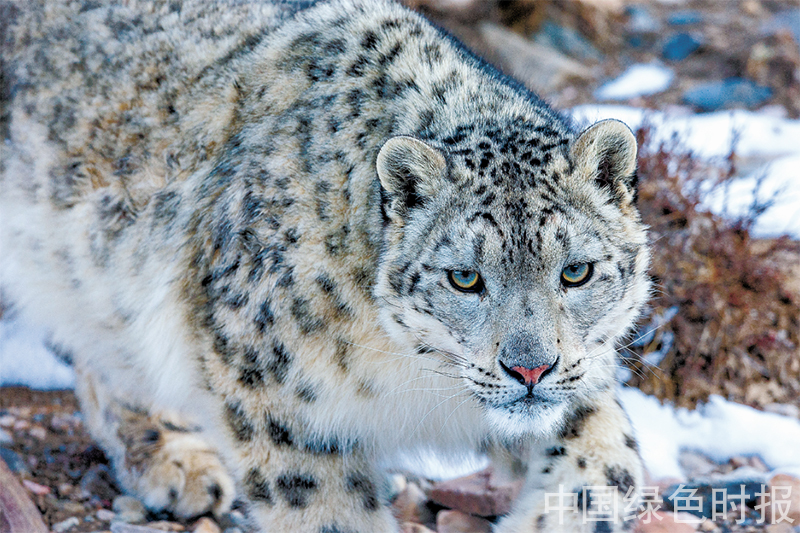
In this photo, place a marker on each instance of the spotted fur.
(247, 212)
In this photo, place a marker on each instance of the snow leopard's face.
(519, 271)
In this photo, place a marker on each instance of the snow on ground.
(719, 429)
(638, 80)
(773, 142)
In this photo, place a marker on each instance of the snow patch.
(719, 429)
(638, 80)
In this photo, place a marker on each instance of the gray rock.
(540, 67)
(733, 92)
(567, 41)
(685, 17)
(105, 515)
(675, 495)
(15, 463)
(695, 464)
(680, 46)
(121, 527)
(64, 525)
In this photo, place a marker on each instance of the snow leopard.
(284, 242)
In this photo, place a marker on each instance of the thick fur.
(245, 213)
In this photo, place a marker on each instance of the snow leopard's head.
(515, 255)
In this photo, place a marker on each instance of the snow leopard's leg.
(296, 482)
(591, 462)
(158, 457)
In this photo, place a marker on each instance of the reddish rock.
(17, 511)
(410, 505)
(410, 527)
(458, 522)
(35, 488)
(786, 489)
(477, 494)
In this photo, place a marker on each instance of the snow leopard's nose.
(525, 360)
(528, 376)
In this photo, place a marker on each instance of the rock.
(122, 527)
(17, 512)
(206, 525)
(458, 522)
(732, 92)
(5, 437)
(540, 67)
(62, 423)
(71, 507)
(411, 505)
(7, 421)
(38, 432)
(752, 464)
(667, 523)
(14, 461)
(786, 491)
(21, 425)
(64, 525)
(680, 46)
(163, 525)
(567, 41)
(35, 488)
(129, 510)
(476, 494)
(685, 17)
(676, 496)
(410, 527)
(105, 515)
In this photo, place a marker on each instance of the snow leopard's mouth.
(529, 414)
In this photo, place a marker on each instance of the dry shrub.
(735, 326)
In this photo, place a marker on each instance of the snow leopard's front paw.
(173, 469)
(585, 480)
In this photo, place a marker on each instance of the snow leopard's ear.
(409, 171)
(606, 154)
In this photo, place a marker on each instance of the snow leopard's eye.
(576, 275)
(465, 280)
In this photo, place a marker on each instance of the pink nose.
(530, 375)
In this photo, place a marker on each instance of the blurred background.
(711, 378)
